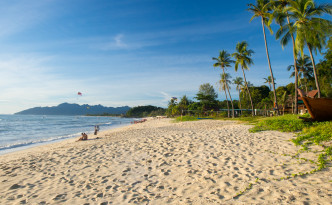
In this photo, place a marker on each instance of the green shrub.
(318, 133)
(186, 118)
(285, 123)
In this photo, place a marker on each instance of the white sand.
(158, 162)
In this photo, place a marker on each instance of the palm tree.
(238, 81)
(310, 30)
(223, 82)
(268, 80)
(305, 70)
(242, 57)
(280, 14)
(283, 101)
(224, 61)
(262, 9)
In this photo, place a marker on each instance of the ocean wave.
(36, 142)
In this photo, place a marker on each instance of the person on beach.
(83, 137)
(96, 129)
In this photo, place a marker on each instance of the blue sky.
(128, 52)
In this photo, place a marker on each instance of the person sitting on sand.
(83, 137)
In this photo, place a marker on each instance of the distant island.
(75, 109)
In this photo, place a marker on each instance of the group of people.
(84, 136)
(139, 121)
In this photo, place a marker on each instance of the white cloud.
(119, 41)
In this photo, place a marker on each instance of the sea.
(19, 132)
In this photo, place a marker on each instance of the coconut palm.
(268, 80)
(224, 61)
(238, 81)
(242, 57)
(305, 70)
(262, 9)
(223, 82)
(311, 31)
(283, 101)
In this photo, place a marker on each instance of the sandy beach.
(161, 162)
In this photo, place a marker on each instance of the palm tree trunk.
(223, 70)
(283, 110)
(268, 59)
(231, 100)
(245, 81)
(227, 104)
(296, 71)
(240, 102)
(314, 68)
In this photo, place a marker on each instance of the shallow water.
(22, 131)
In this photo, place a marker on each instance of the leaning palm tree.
(262, 9)
(242, 57)
(224, 61)
(311, 31)
(280, 13)
(238, 81)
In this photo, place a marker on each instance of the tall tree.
(207, 96)
(242, 57)
(224, 60)
(238, 81)
(280, 13)
(223, 86)
(262, 9)
(311, 31)
(183, 104)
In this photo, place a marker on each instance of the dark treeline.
(145, 111)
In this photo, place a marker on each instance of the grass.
(285, 123)
(318, 134)
(185, 118)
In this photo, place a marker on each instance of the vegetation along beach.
(166, 102)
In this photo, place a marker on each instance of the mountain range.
(74, 109)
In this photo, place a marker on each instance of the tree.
(268, 80)
(238, 81)
(324, 71)
(242, 57)
(207, 96)
(184, 103)
(311, 31)
(262, 9)
(171, 105)
(283, 101)
(304, 70)
(224, 61)
(224, 82)
(280, 14)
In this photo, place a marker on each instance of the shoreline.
(35, 147)
(48, 138)
(160, 162)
